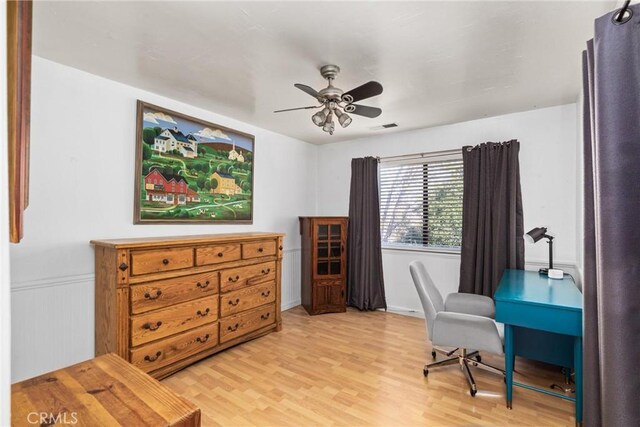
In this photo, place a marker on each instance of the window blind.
(421, 202)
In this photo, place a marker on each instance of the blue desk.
(542, 321)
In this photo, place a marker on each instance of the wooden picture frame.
(19, 24)
(190, 171)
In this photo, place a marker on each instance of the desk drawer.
(241, 324)
(550, 319)
(237, 278)
(258, 249)
(164, 352)
(158, 324)
(247, 298)
(159, 260)
(162, 293)
(218, 254)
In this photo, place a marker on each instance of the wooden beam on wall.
(19, 24)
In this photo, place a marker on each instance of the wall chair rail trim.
(48, 282)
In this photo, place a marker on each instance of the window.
(421, 202)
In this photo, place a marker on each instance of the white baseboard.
(287, 305)
(406, 311)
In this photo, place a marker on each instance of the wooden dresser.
(164, 303)
(324, 263)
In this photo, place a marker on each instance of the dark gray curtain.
(611, 282)
(492, 221)
(365, 282)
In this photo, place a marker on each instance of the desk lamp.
(535, 235)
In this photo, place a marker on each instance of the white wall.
(548, 175)
(580, 187)
(82, 174)
(5, 306)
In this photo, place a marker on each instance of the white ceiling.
(439, 62)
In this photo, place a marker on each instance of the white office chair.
(462, 321)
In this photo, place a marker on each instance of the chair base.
(463, 358)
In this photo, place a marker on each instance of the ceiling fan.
(338, 103)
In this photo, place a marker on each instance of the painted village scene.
(194, 171)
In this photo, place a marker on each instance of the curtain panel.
(492, 218)
(611, 275)
(365, 280)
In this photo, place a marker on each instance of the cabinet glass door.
(329, 249)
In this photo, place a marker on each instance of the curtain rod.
(419, 155)
(618, 17)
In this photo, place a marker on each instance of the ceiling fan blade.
(363, 110)
(299, 108)
(311, 91)
(365, 91)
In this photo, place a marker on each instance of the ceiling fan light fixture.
(343, 118)
(333, 100)
(320, 117)
(329, 126)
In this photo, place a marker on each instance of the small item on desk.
(554, 273)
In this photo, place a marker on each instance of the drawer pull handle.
(233, 328)
(147, 295)
(151, 326)
(231, 279)
(265, 316)
(260, 250)
(203, 313)
(201, 286)
(266, 294)
(220, 254)
(234, 303)
(267, 271)
(203, 340)
(153, 358)
(280, 247)
(165, 261)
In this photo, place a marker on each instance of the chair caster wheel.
(425, 372)
(473, 392)
(433, 354)
(479, 358)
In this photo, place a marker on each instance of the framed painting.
(191, 171)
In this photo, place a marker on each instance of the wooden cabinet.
(165, 303)
(324, 264)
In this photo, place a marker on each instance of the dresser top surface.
(95, 390)
(176, 240)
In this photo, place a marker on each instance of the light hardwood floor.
(357, 369)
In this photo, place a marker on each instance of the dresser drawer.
(217, 254)
(247, 298)
(240, 324)
(164, 352)
(158, 260)
(162, 323)
(258, 249)
(162, 293)
(240, 277)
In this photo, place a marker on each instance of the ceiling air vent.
(387, 126)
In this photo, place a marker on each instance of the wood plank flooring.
(358, 369)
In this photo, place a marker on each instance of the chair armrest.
(470, 304)
(466, 331)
